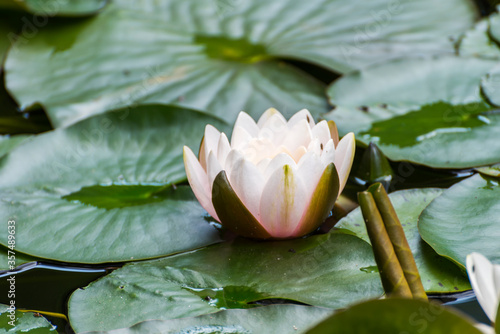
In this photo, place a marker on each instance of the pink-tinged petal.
(209, 143)
(258, 149)
(481, 277)
(283, 202)
(322, 132)
(201, 154)
(246, 122)
(274, 128)
(262, 165)
(198, 180)
(240, 137)
(334, 133)
(303, 114)
(315, 147)
(232, 212)
(265, 116)
(344, 156)
(309, 169)
(247, 182)
(232, 157)
(299, 135)
(299, 153)
(320, 203)
(223, 149)
(328, 154)
(213, 168)
(277, 163)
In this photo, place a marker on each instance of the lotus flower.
(276, 179)
(485, 280)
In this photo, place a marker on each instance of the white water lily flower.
(485, 280)
(276, 179)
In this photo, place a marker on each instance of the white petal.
(276, 163)
(282, 202)
(240, 137)
(265, 116)
(328, 154)
(258, 149)
(232, 157)
(322, 132)
(262, 165)
(198, 180)
(299, 153)
(213, 168)
(480, 272)
(310, 169)
(223, 149)
(274, 128)
(210, 143)
(246, 122)
(315, 147)
(299, 135)
(248, 183)
(300, 115)
(344, 156)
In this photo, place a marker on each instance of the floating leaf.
(101, 190)
(427, 111)
(282, 319)
(464, 219)
(48, 8)
(323, 270)
(477, 41)
(437, 273)
(26, 322)
(217, 56)
(396, 316)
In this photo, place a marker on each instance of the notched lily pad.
(103, 190)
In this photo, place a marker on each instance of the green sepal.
(390, 270)
(232, 213)
(398, 240)
(322, 201)
(375, 167)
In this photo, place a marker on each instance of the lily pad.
(493, 171)
(218, 57)
(324, 270)
(8, 143)
(282, 319)
(26, 322)
(438, 274)
(44, 8)
(427, 111)
(477, 41)
(19, 258)
(102, 189)
(407, 316)
(464, 219)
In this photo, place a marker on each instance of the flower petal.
(223, 149)
(246, 122)
(309, 169)
(198, 180)
(320, 203)
(344, 156)
(283, 202)
(274, 128)
(322, 132)
(481, 277)
(299, 135)
(334, 133)
(300, 115)
(240, 137)
(276, 163)
(209, 143)
(232, 157)
(328, 154)
(265, 116)
(213, 168)
(232, 212)
(247, 182)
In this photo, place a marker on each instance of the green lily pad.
(464, 219)
(427, 111)
(282, 319)
(48, 8)
(493, 171)
(324, 270)
(477, 42)
(8, 143)
(208, 56)
(102, 189)
(407, 316)
(18, 259)
(437, 273)
(25, 322)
